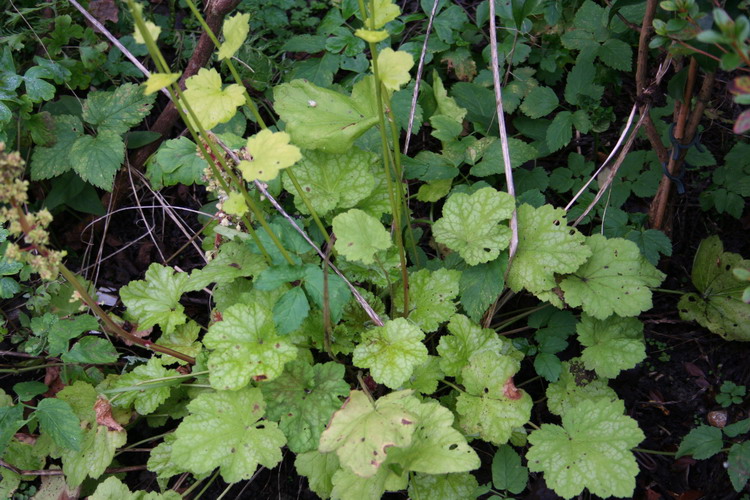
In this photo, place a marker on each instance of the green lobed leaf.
(91, 350)
(211, 104)
(112, 488)
(576, 384)
(319, 469)
(97, 159)
(66, 329)
(183, 339)
(176, 162)
(480, 285)
(117, 111)
(48, 162)
(611, 345)
(443, 486)
(96, 454)
(269, 153)
(145, 397)
(156, 300)
(234, 260)
(393, 68)
(446, 105)
(360, 236)
(507, 471)
(432, 297)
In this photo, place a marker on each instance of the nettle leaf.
(235, 32)
(546, 246)
(616, 54)
(443, 486)
(360, 236)
(491, 405)
(470, 224)
(560, 131)
(48, 162)
(97, 159)
(156, 300)
(393, 68)
(576, 384)
(271, 152)
(391, 352)
(210, 103)
(319, 118)
(56, 418)
(361, 432)
(332, 181)
(144, 396)
(718, 305)
(702, 442)
(590, 450)
(224, 429)
(319, 469)
(540, 102)
(119, 110)
(611, 345)
(96, 454)
(303, 399)
(615, 280)
(431, 297)
(245, 346)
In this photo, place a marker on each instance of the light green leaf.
(113, 488)
(81, 397)
(210, 103)
(546, 246)
(435, 190)
(56, 418)
(158, 81)
(65, 329)
(540, 102)
(361, 432)
(702, 442)
(270, 153)
(425, 377)
(360, 236)
(224, 430)
(152, 29)
(48, 162)
(560, 131)
(319, 469)
(384, 11)
(235, 32)
(235, 260)
(95, 455)
(160, 460)
(155, 300)
(371, 36)
(576, 384)
(347, 485)
(591, 450)
(183, 339)
(393, 68)
(611, 345)
(446, 105)
(391, 352)
(432, 297)
(470, 224)
(443, 486)
(319, 118)
(492, 406)
(144, 396)
(117, 111)
(97, 159)
(615, 280)
(303, 399)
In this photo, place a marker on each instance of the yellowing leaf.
(209, 102)
(384, 11)
(153, 31)
(394, 68)
(270, 152)
(371, 36)
(235, 32)
(235, 204)
(158, 81)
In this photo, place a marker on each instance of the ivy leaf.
(96, 454)
(235, 32)
(540, 102)
(155, 300)
(361, 432)
(615, 280)
(491, 406)
(145, 397)
(470, 224)
(158, 81)
(271, 152)
(224, 429)
(391, 352)
(576, 384)
(360, 236)
(303, 399)
(210, 103)
(591, 450)
(117, 111)
(443, 486)
(394, 68)
(480, 285)
(432, 295)
(245, 346)
(319, 469)
(546, 245)
(332, 181)
(319, 118)
(611, 345)
(97, 159)
(702, 442)
(48, 162)
(56, 418)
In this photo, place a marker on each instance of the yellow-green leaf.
(394, 68)
(372, 36)
(270, 152)
(153, 31)
(384, 11)
(235, 32)
(158, 81)
(210, 103)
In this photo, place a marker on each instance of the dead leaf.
(104, 10)
(104, 415)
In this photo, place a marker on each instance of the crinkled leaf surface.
(576, 384)
(48, 162)
(590, 450)
(303, 399)
(611, 345)
(224, 429)
(235, 32)
(57, 419)
(146, 398)
(113, 488)
(271, 152)
(96, 454)
(546, 246)
(393, 68)
(470, 224)
(446, 105)
(176, 162)
(361, 432)
(491, 406)
(245, 345)
(119, 110)
(391, 352)
(349, 486)
(234, 260)
(480, 285)
(319, 469)
(64, 330)
(360, 236)
(615, 280)
(91, 350)
(210, 103)
(97, 159)
(443, 486)
(155, 300)
(183, 339)
(432, 297)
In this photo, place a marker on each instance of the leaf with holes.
(271, 152)
(611, 345)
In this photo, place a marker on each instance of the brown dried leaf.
(104, 415)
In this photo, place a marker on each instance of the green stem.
(655, 452)
(30, 368)
(664, 290)
(307, 203)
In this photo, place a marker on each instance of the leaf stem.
(655, 452)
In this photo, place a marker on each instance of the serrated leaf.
(590, 450)
(97, 159)
(338, 292)
(615, 280)
(702, 442)
(158, 81)
(493, 161)
(210, 103)
(37, 89)
(145, 397)
(349, 486)
(546, 246)
(425, 377)
(391, 352)
(616, 54)
(431, 297)
(360, 236)
(11, 420)
(156, 300)
(507, 471)
(319, 469)
(245, 346)
(270, 152)
(361, 432)
(117, 111)
(651, 242)
(81, 397)
(235, 32)
(303, 399)
(290, 311)
(183, 339)
(581, 83)
(470, 224)
(48, 162)
(560, 131)
(540, 102)
(443, 486)
(91, 350)
(394, 68)
(114, 488)
(547, 365)
(96, 454)
(611, 345)
(56, 418)
(66, 329)
(738, 465)
(480, 285)
(224, 429)
(446, 105)
(576, 384)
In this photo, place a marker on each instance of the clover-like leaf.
(158, 81)
(361, 432)
(271, 152)
(360, 236)
(235, 32)
(224, 429)
(470, 224)
(615, 280)
(432, 297)
(144, 396)
(546, 245)
(210, 103)
(245, 345)
(156, 300)
(590, 450)
(576, 384)
(303, 399)
(393, 67)
(611, 345)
